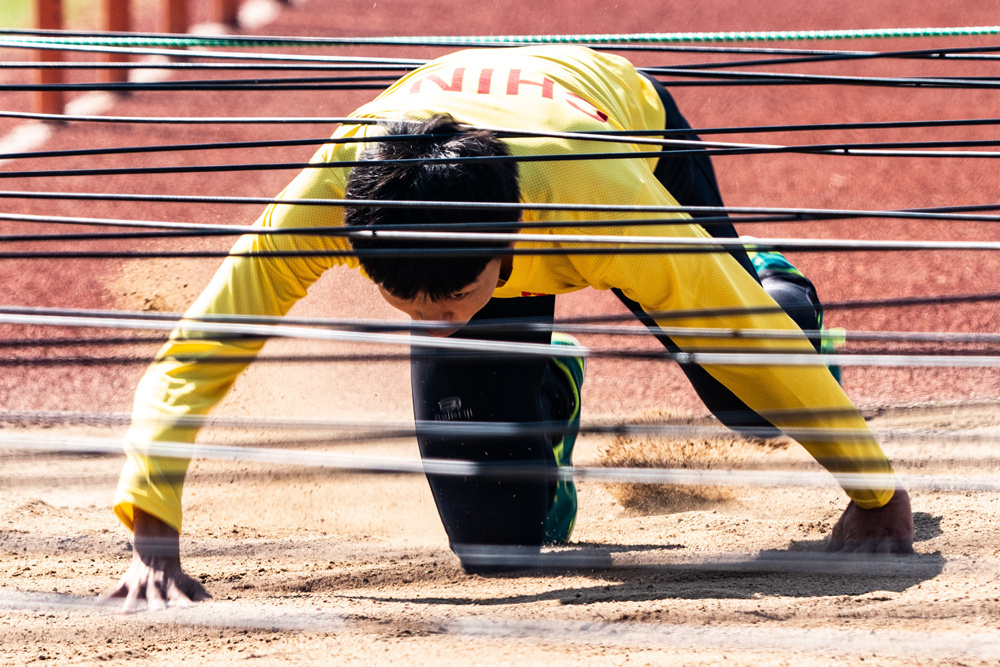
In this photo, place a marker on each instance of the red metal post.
(49, 16)
(117, 18)
(175, 16)
(227, 12)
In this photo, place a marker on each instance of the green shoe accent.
(832, 340)
(562, 513)
(771, 260)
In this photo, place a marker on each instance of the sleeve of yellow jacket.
(804, 398)
(191, 373)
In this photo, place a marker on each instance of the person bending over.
(455, 128)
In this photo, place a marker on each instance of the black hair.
(441, 136)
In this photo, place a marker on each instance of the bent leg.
(450, 386)
(799, 301)
(727, 407)
(691, 180)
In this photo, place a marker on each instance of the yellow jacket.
(552, 88)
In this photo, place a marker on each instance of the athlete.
(449, 132)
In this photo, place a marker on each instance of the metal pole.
(175, 16)
(227, 12)
(49, 16)
(117, 18)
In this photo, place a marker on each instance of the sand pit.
(317, 567)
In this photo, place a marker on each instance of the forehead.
(485, 281)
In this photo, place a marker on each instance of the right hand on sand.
(883, 530)
(161, 582)
(155, 574)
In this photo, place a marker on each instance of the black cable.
(271, 85)
(341, 231)
(610, 136)
(356, 83)
(869, 149)
(76, 65)
(668, 248)
(960, 53)
(787, 57)
(882, 125)
(961, 122)
(170, 148)
(943, 213)
(644, 137)
(879, 149)
(344, 231)
(192, 120)
(318, 84)
(770, 79)
(184, 230)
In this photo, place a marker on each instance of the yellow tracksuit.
(552, 88)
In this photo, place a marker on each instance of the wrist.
(152, 538)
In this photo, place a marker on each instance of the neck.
(506, 267)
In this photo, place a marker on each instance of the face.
(457, 308)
